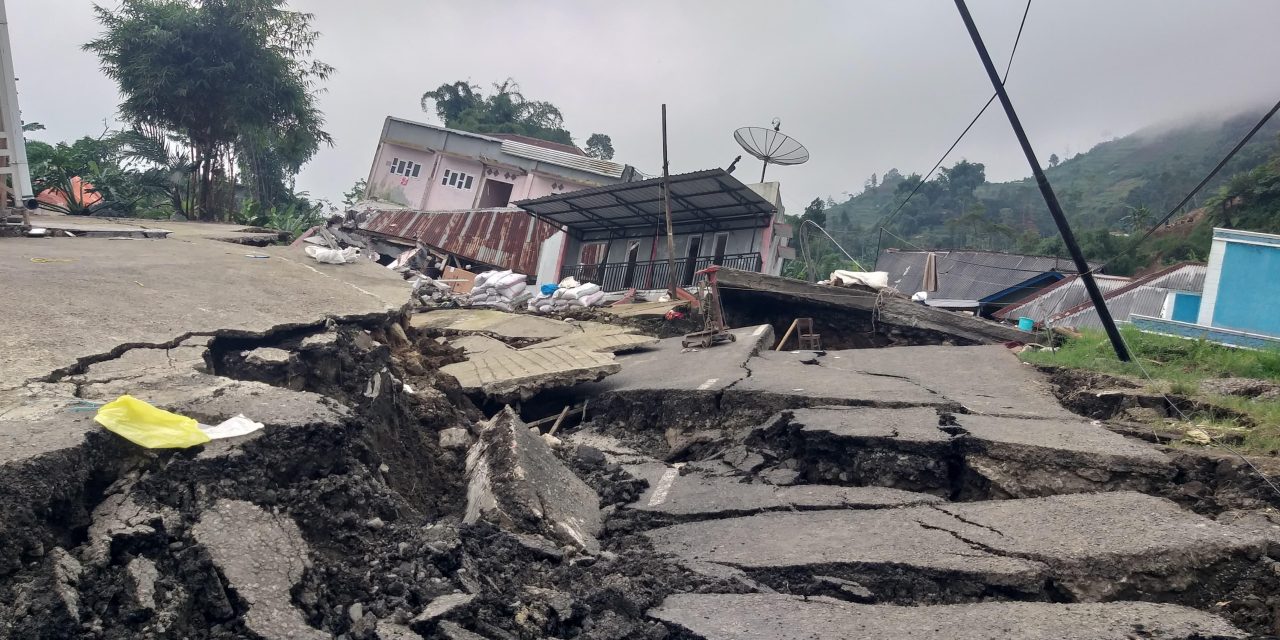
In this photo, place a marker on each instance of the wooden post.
(559, 420)
(666, 201)
(787, 334)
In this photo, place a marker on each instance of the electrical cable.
(1172, 212)
(981, 111)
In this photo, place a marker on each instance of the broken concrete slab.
(167, 300)
(885, 549)
(671, 367)
(783, 617)
(987, 379)
(600, 341)
(1021, 457)
(211, 399)
(262, 555)
(865, 446)
(967, 456)
(519, 375)
(1089, 547)
(473, 345)
(1105, 546)
(516, 482)
(676, 497)
(498, 324)
(441, 607)
(782, 374)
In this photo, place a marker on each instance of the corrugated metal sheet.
(507, 238)
(699, 199)
(1147, 301)
(967, 275)
(570, 160)
(1187, 277)
(1143, 296)
(1059, 297)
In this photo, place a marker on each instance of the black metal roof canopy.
(710, 200)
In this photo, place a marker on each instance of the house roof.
(1142, 296)
(523, 153)
(710, 200)
(538, 142)
(508, 238)
(1061, 295)
(971, 275)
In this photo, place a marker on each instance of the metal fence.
(652, 274)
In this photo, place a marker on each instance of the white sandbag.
(510, 279)
(333, 256)
(513, 290)
(569, 283)
(593, 299)
(873, 279)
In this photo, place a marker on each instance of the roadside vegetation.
(219, 113)
(1186, 369)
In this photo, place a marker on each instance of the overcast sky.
(866, 85)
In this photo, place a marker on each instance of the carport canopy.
(701, 201)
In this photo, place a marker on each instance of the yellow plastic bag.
(147, 426)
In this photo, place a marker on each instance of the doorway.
(721, 243)
(691, 259)
(629, 275)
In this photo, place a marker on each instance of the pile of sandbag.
(569, 294)
(500, 290)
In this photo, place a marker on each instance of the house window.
(456, 179)
(405, 167)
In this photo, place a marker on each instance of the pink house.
(430, 168)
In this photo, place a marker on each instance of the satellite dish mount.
(771, 146)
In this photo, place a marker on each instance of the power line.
(1172, 212)
(981, 111)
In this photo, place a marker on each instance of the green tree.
(816, 211)
(355, 193)
(460, 105)
(1053, 160)
(235, 80)
(600, 146)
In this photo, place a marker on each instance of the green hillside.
(1113, 189)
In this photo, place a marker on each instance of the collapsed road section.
(630, 489)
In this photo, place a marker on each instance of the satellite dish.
(771, 146)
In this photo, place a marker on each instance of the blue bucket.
(1026, 324)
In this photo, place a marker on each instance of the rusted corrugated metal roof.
(506, 238)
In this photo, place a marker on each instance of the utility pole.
(666, 202)
(1050, 199)
(11, 124)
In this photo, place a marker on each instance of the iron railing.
(652, 274)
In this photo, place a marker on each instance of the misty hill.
(1115, 187)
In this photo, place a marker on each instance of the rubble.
(729, 492)
(509, 376)
(516, 481)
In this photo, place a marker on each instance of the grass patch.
(1176, 366)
